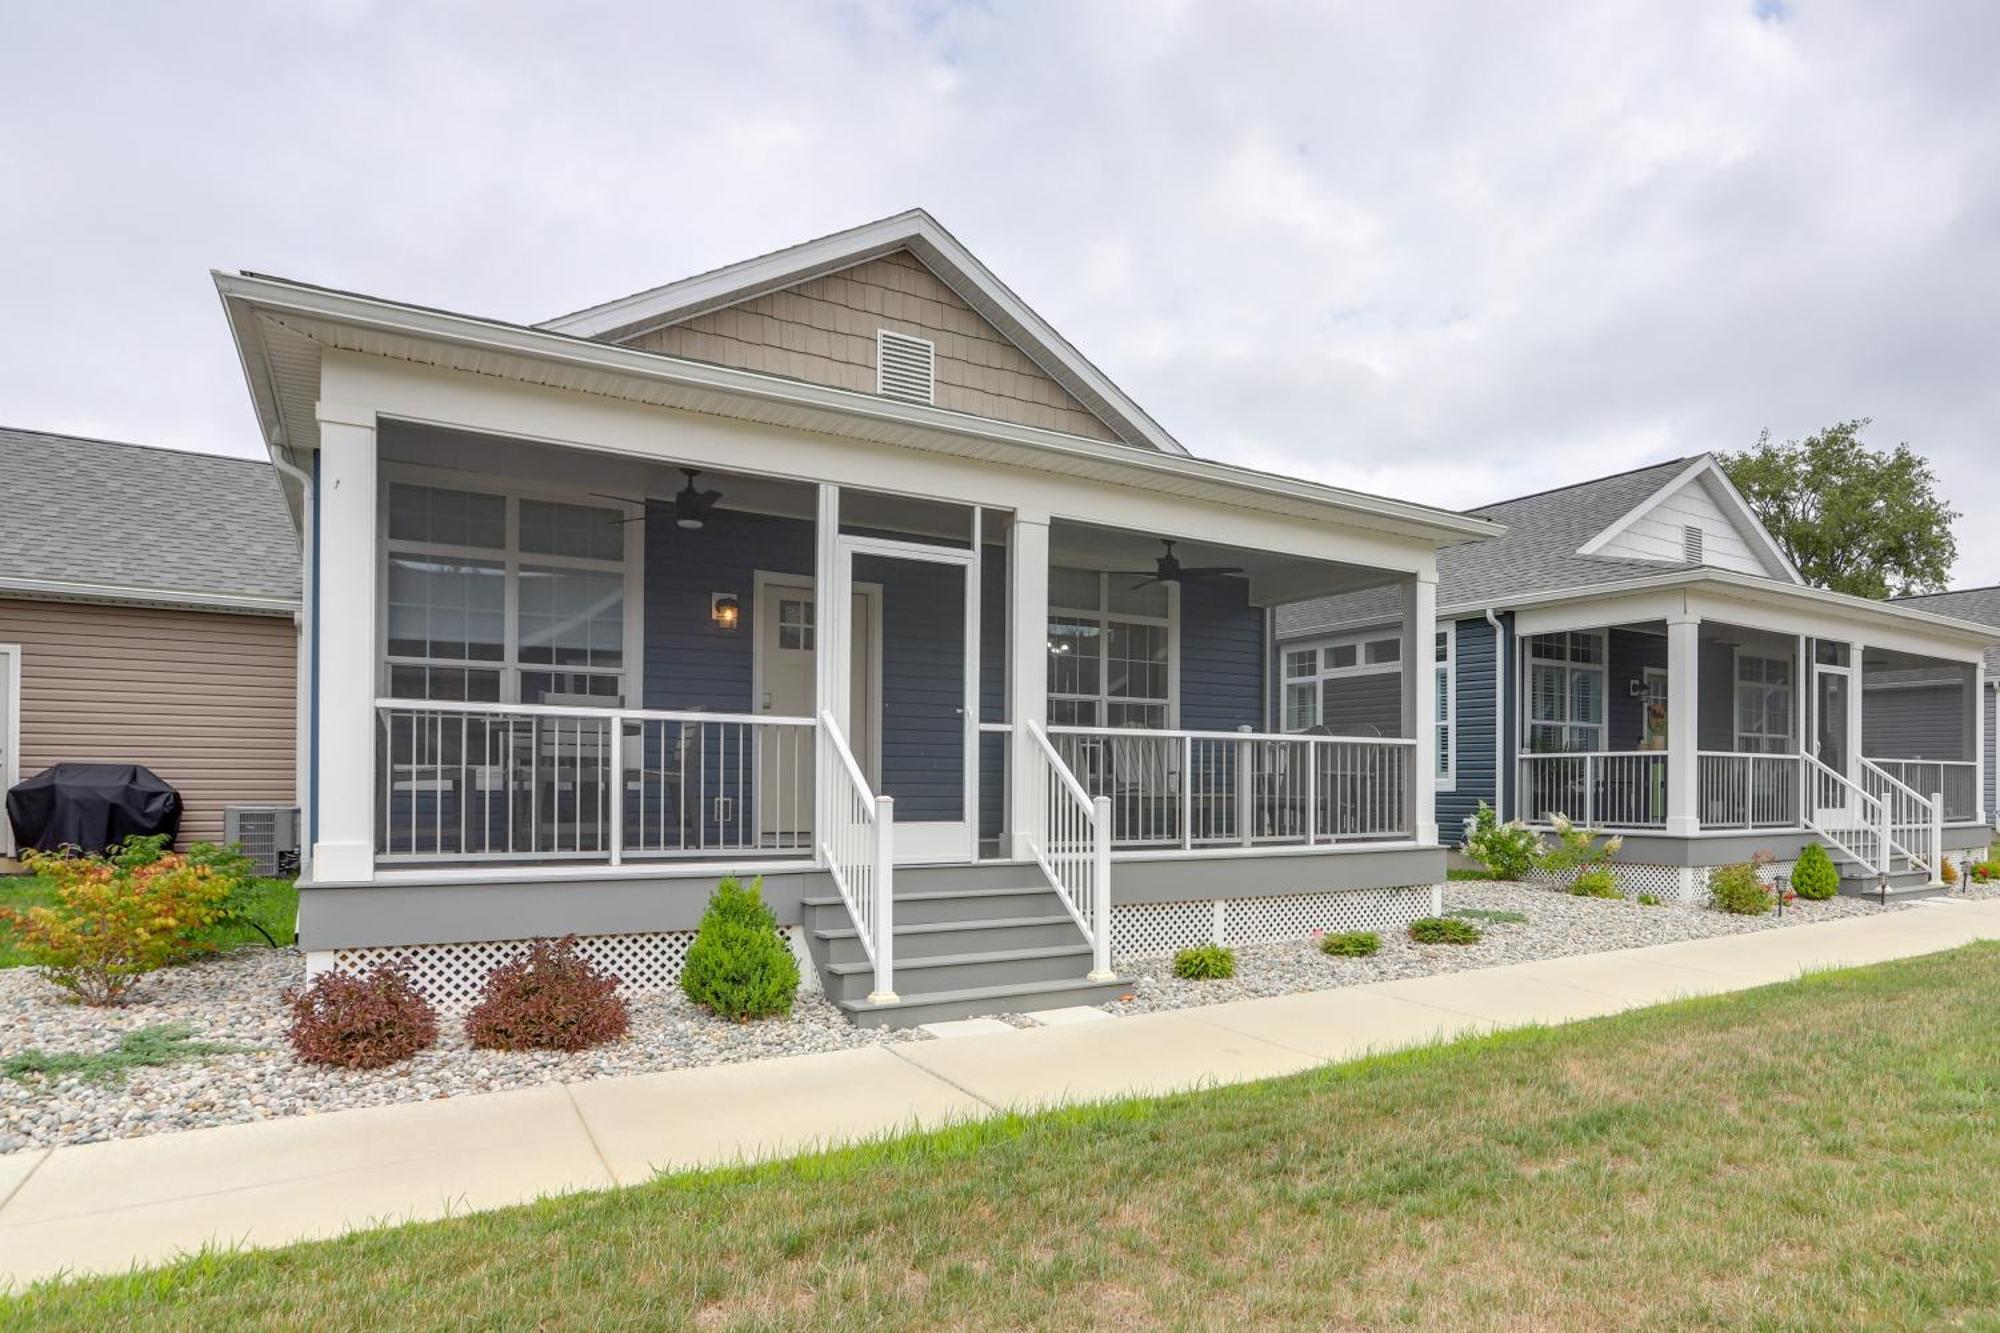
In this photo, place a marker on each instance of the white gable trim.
(938, 250)
(1747, 523)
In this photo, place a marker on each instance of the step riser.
(985, 875)
(941, 911)
(963, 976)
(948, 943)
(913, 1010)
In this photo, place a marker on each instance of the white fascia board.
(127, 595)
(1442, 526)
(1746, 587)
(917, 231)
(1747, 523)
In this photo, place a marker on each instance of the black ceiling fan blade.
(1146, 582)
(708, 498)
(1204, 571)
(621, 499)
(1133, 573)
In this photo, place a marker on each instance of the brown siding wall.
(823, 332)
(205, 701)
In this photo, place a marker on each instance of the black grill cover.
(92, 806)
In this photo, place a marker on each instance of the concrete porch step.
(936, 939)
(1903, 885)
(966, 971)
(1021, 998)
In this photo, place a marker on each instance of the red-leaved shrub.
(360, 1022)
(549, 999)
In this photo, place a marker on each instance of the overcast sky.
(1447, 252)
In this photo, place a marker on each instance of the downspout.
(305, 687)
(1502, 652)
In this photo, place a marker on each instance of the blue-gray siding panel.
(1476, 704)
(1628, 653)
(923, 685)
(1222, 656)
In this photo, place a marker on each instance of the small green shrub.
(1814, 876)
(1490, 916)
(1350, 943)
(1444, 930)
(1207, 962)
(1737, 890)
(1651, 900)
(1508, 851)
(739, 966)
(1595, 883)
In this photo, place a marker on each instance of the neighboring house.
(1638, 654)
(837, 567)
(1981, 606)
(148, 609)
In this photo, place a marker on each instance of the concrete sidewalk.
(107, 1206)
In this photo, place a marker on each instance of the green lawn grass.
(1822, 1154)
(276, 909)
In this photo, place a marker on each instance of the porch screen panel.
(1566, 712)
(923, 685)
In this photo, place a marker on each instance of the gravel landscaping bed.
(234, 999)
(1558, 925)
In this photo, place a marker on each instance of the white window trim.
(1446, 665)
(1322, 672)
(1103, 615)
(510, 667)
(1736, 682)
(1602, 669)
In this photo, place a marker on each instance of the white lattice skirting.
(1142, 929)
(1674, 884)
(452, 975)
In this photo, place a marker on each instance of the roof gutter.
(1439, 525)
(187, 599)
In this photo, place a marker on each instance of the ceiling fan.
(1167, 568)
(692, 507)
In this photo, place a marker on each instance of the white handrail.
(859, 855)
(1177, 733)
(571, 710)
(1072, 844)
(1915, 828)
(1864, 837)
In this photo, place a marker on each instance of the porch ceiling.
(1274, 576)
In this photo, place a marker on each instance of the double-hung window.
(503, 598)
(1566, 692)
(1110, 651)
(1763, 705)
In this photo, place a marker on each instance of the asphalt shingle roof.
(1979, 605)
(134, 516)
(1537, 553)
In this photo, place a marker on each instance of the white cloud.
(1451, 252)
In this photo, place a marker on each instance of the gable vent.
(1692, 541)
(905, 367)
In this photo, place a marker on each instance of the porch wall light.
(725, 610)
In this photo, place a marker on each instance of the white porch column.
(1683, 729)
(344, 846)
(1028, 678)
(1981, 742)
(830, 662)
(1857, 680)
(1420, 702)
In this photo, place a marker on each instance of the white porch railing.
(1844, 814)
(1748, 791)
(1598, 788)
(491, 782)
(1205, 789)
(1072, 844)
(1956, 781)
(1914, 822)
(859, 850)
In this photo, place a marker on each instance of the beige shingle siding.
(204, 700)
(823, 332)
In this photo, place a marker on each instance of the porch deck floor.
(107, 1206)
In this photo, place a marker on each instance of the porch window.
(1301, 688)
(1308, 669)
(503, 598)
(1566, 692)
(1446, 677)
(1110, 651)
(1764, 705)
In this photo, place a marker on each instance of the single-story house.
(838, 566)
(148, 608)
(1638, 654)
(1981, 606)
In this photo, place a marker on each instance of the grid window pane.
(1299, 706)
(538, 686)
(1340, 656)
(440, 606)
(1074, 648)
(586, 531)
(572, 617)
(1301, 663)
(455, 684)
(795, 624)
(447, 518)
(1136, 661)
(1383, 651)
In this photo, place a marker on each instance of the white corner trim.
(1747, 523)
(915, 230)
